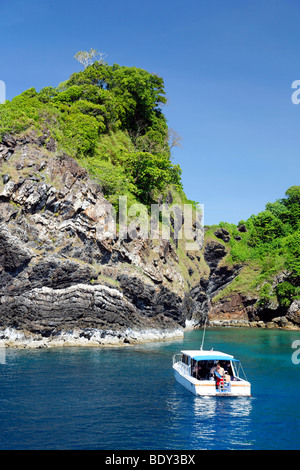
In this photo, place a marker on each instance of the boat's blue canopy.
(214, 358)
(209, 356)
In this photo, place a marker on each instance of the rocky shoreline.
(277, 323)
(11, 338)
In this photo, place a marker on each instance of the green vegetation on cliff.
(268, 245)
(110, 119)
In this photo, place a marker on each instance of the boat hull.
(239, 388)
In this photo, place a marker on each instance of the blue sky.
(228, 68)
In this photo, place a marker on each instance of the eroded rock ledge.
(90, 337)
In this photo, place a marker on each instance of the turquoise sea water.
(127, 398)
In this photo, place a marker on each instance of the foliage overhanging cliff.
(109, 118)
(67, 154)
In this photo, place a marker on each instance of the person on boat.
(217, 368)
(195, 369)
(220, 369)
(219, 375)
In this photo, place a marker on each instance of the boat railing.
(240, 373)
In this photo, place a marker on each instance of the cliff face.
(67, 278)
(62, 269)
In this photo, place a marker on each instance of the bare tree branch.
(88, 58)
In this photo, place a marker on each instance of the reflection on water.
(213, 422)
(227, 420)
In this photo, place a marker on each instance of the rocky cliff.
(63, 271)
(234, 291)
(67, 278)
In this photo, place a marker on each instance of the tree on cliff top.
(108, 117)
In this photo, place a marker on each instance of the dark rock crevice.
(219, 277)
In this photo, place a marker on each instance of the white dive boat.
(210, 373)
